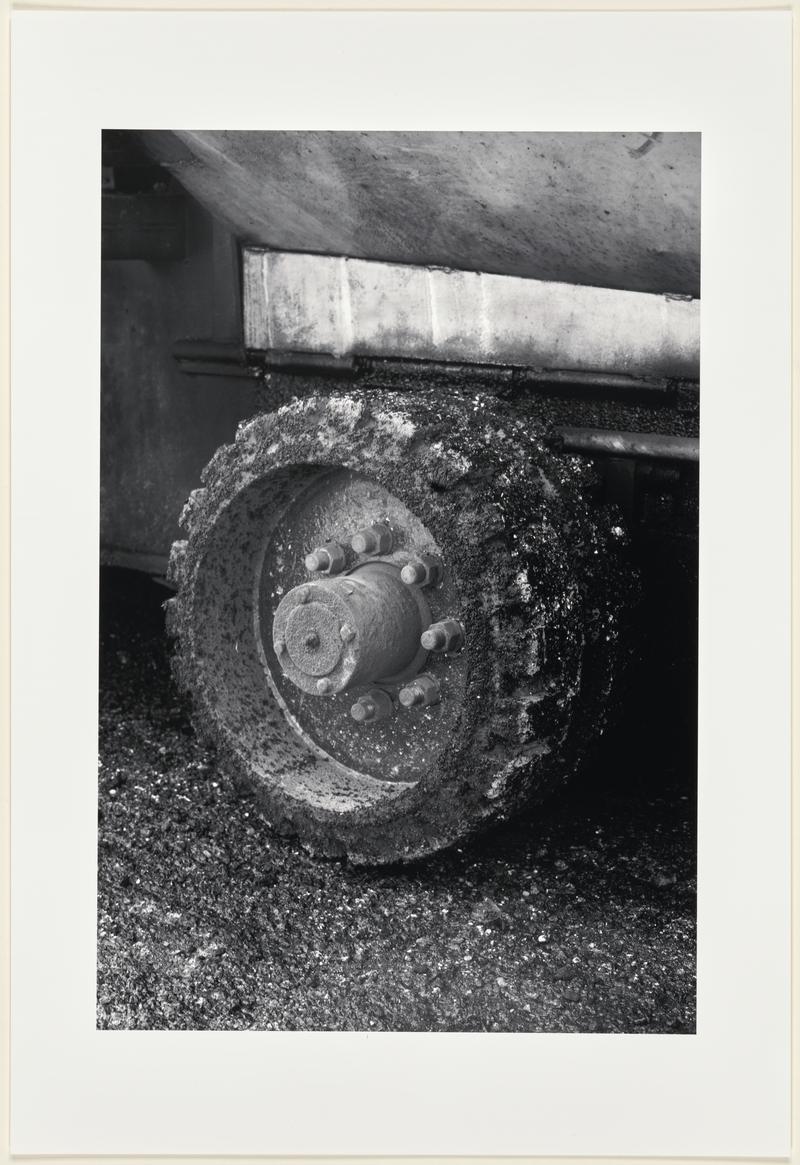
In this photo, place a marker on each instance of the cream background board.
(723, 1092)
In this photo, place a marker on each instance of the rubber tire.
(539, 576)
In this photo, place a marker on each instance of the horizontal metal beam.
(595, 383)
(212, 358)
(657, 446)
(355, 307)
(153, 564)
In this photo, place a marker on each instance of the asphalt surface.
(579, 918)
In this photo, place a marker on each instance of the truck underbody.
(433, 399)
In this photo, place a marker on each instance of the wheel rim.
(350, 714)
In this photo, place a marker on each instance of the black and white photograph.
(398, 589)
(401, 640)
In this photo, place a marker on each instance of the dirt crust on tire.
(541, 580)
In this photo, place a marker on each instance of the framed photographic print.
(401, 470)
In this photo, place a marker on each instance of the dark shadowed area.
(580, 917)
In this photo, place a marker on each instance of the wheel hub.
(312, 643)
(364, 627)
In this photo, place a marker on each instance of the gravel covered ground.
(580, 918)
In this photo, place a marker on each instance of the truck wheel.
(396, 617)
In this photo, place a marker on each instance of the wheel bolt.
(324, 686)
(424, 571)
(421, 692)
(327, 559)
(376, 705)
(445, 636)
(376, 539)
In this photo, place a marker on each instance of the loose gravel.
(579, 918)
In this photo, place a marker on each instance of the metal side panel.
(297, 302)
(160, 426)
(603, 209)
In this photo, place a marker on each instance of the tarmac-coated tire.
(530, 569)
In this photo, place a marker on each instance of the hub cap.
(360, 628)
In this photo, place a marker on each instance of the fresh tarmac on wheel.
(579, 917)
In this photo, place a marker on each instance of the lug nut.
(280, 646)
(445, 636)
(324, 686)
(376, 539)
(421, 692)
(376, 705)
(424, 571)
(346, 633)
(327, 559)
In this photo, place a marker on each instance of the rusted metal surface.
(422, 692)
(658, 446)
(376, 704)
(352, 307)
(424, 571)
(375, 539)
(327, 559)
(382, 618)
(591, 208)
(446, 635)
(371, 625)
